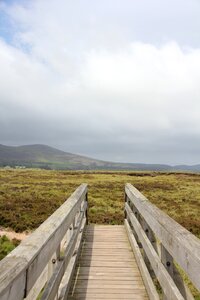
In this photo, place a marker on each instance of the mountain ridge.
(44, 156)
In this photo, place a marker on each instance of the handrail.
(41, 253)
(150, 225)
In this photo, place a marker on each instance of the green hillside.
(45, 157)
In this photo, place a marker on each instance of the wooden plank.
(102, 234)
(107, 296)
(112, 276)
(179, 242)
(106, 251)
(107, 283)
(95, 251)
(104, 227)
(105, 245)
(102, 263)
(109, 244)
(112, 290)
(103, 270)
(105, 257)
(101, 240)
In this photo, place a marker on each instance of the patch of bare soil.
(12, 234)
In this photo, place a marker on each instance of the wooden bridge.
(65, 258)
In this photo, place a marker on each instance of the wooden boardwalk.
(67, 259)
(107, 268)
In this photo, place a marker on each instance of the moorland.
(29, 196)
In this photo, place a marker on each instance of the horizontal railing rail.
(48, 254)
(163, 243)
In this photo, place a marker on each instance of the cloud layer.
(84, 79)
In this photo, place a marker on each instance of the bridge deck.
(107, 268)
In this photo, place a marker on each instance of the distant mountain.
(42, 156)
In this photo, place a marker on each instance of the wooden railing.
(159, 244)
(45, 261)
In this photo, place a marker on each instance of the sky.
(117, 80)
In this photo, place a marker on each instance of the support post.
(168, 262)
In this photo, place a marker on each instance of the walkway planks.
(107, 268)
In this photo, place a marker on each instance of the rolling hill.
(42, 156)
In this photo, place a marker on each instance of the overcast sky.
(116, 80)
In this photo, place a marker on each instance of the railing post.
(53, 262)
(168, 262)
(136, 213)
(86, 211)
(125, 201)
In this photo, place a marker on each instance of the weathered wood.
(162, 275)
(152, 239)
(181, 285)
(52, 264)
(58, 231)
(107, 296)
(38, 286)
(67, 278)
(151, 290)
(179, 242)
(168, 262)
(113, 258)
(53, 284)
(12, 277)
(100, 273)
(21, 268)
(108, 270)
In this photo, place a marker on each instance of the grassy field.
(28, 197)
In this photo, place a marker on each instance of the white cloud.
(136, 101)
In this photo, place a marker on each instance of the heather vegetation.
(28, 197)
(6, 246)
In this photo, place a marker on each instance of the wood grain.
(183, 246)
(20, 270)
(107, 268)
